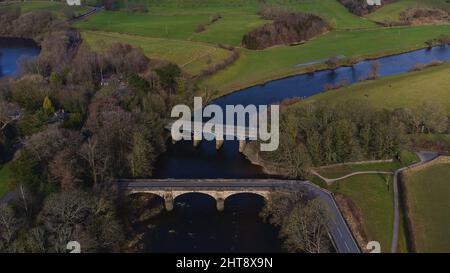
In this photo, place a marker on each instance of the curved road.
(425, 157)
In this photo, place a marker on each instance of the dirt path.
(330, 181)
(87, 14)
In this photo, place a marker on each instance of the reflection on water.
(183, 160)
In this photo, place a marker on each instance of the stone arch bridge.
(219, 189)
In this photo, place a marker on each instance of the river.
(182, 160)
(195, 225)
(12, 50)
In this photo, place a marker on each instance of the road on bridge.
(339, 230)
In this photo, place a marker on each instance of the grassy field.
(407, 158)
(405, 90)
(373, 197)
(230, 29)
(156, 26)
(428, 194)
(342, 170)
(171, 25)
(6, 179)
(55, 7)
(260, 66)
(173, 21)
(337, 15)
(353, 37)
(392, 11)
(331, 10)
(192, 57)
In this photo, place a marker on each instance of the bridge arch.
(218, 195)
(219, 189)
(147, 199)
(264, 194)
(146, 193)
(204, 195)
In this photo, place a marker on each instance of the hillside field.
(190, 56)
(353, 37)
(427, 194)
(392, 11)
(406, 90)
(372, 195)
(54, 7)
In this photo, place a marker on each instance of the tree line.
(316, 134)
(72, 121)
(287, 28)
(32, 25)
(213, 68)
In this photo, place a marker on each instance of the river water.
(199, 227)
(11, 51)
(195, 225)
(184, 161)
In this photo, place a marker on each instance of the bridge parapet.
(219, 132)
(220, 190)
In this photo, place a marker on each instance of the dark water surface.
(195, 225)
(11, 51)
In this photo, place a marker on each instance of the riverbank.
(8, 42)
(410, 90)
(261, 67)
(251, 153)
(321, 67)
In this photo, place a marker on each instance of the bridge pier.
(234, 131)
(196, 142)
(220, 204)
(219, 143)
(168, 201)
(242, 144)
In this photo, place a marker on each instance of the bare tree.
(97, 161)
(36, 240)
(62, 171)
(9, 113)
(9, 226)
(306, 228)
(63, 214)
(46, 143)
